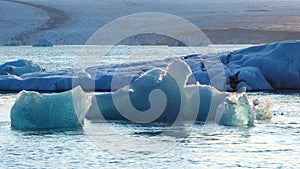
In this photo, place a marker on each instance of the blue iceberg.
(164, 96)
(274, 65)
(33, 110)
(236, 110)
(264, 67)
(159, 95)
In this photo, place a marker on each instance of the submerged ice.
(33, 110)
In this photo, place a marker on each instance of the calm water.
(273, 144)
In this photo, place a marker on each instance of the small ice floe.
(33, 110)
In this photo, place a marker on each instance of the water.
(63, 57)
(272, 144)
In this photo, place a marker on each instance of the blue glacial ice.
(164, 96)
(264, 67)
(236, 110)
(33, 110)
(275, 65)
(159, 95)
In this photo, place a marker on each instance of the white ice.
(20, 67)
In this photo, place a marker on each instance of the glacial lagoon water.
(269, 144)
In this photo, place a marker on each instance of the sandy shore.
(69, 22)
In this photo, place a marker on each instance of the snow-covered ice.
(33, 110)
(20, 67)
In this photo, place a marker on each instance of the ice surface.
(20, 67)
(155, 94)
(43, 43)
(279, 63)
(159, 95)
(33, 110)
(142, 101)
(263, 67)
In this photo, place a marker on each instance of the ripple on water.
(270, 144)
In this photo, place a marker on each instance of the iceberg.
(164, 96)
(278, 63)
(14, 43)
(236, 110)
(262, 109)
(20, 67)
(159, 95)
(265, 67)
(33, 110)
(43, 43)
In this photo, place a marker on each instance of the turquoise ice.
(33, 110)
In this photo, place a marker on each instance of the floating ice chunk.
(143, 102)
(262, 109)
(132, 103)
(235, 111)
(33, 110)
(43, 43)
(20, 67)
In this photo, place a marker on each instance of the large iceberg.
(275, 65)
(20, 67)
(265, 67)
(33, 110)
(43, 43)
(159, 95)
(164, 96)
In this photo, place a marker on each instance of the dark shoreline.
(249, 36)
(56, 19)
